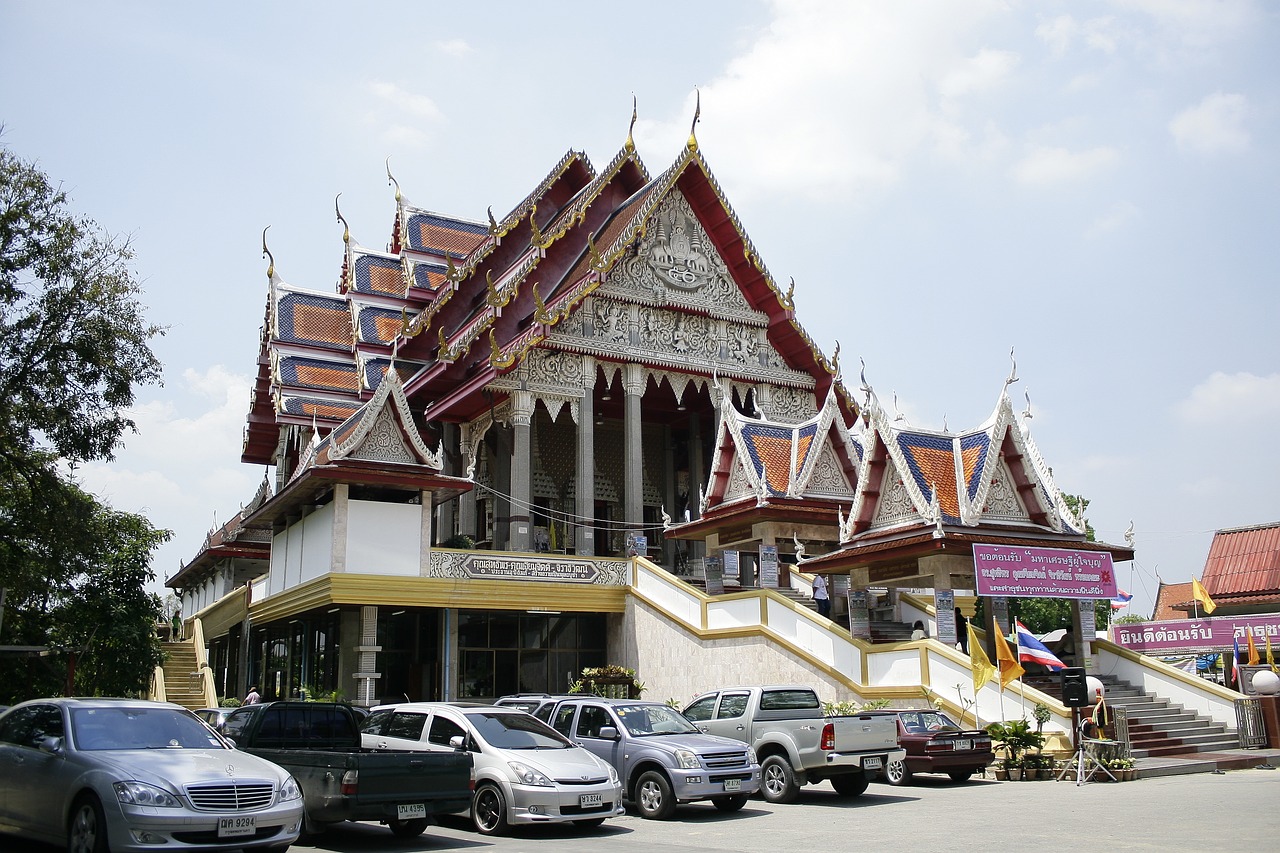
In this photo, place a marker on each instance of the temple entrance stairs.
(1165, 738)
(182, 681)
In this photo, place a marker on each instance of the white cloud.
(1046, 166)
(1213, 126)
(1058, 33)
(1243, 399)
(978, 73)
(454, 47)
(1197, 22)
(403, 100)
(1116, 218)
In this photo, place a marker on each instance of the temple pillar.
(668, 493)
(697, 466)
(633, 382)
(585, 476)
(341, 523)
(447, 511)
(520, 535)
(467, 500)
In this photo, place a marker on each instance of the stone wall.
(673, 663)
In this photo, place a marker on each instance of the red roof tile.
(1243, 561)
(1171, 595)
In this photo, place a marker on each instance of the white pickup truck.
(794, 742)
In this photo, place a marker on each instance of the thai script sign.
(714, 575)
(769, 566)
(859, 615)
(1021, 572)
(944, 606)
(1217, 633)
(449, 563)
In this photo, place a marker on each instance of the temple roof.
(1243, 566)
(230, 541)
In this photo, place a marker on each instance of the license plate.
(589, 800)
(872, 763)
(964, 744)
(733, 784)
(230, 827)
(411, 812)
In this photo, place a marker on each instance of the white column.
(633, 381)
(521, 535)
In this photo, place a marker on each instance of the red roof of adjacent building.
(1172, 602)
(1243, 564)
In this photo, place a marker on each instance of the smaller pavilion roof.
(231, 540)
(1243, 566)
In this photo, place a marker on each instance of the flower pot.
(1015, 774)
(1002, 775)
(1030, 774)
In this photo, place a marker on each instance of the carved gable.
(383, 442)
(1002, 502)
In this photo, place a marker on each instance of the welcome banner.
(1020, 572)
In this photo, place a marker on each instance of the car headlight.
(613, 774)
(527, 775)
(687, 759)
(142, 794)
(751, 755)
(290, 790)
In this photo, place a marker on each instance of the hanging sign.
(732, 568)
(944, 607)
(859, 615)
(715, 575)
(769, 566)
(1022, 572)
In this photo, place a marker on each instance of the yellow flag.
(1010, 669)
(1271, 662)
(1198, 592)
(1253, 649)
(983, 671)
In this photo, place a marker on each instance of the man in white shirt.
(820, 596)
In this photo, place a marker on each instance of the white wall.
(317, 552)
(383, 538)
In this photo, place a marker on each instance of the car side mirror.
(458, 742)
(51, 745)
(608, 733)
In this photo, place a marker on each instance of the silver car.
(524, 770)
(127, 775)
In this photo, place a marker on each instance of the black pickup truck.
(319, 743)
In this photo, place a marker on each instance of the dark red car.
(935, 744)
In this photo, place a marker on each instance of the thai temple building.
(593, 431)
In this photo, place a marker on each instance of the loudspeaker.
(1075, 692)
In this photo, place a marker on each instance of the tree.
(74, 344)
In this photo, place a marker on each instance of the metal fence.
(1250, 726)
(1120, 719)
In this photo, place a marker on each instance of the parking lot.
(1199, 812)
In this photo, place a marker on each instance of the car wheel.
(850, 784)
(778, 781)
(589, 823)
(87, 829)
(960, 775)
(407, 828)
(730, 804)
(896, 773)
(653, 796)
(489, 810)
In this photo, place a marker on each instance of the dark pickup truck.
(319, 743)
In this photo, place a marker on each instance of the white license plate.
(588, 800)
(230, 827)
(963, 744)
(872, 763)
(411, 812)
(733, 784)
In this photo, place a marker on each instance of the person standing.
(821, 597)
(252, 698)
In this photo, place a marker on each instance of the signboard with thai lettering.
(1216, 633)
(944, 608)
(715, 575)
(491, 566)
(732, 568)
(1021, 572)
(769, 566)
(859, 615)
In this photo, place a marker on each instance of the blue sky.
(1093, 184)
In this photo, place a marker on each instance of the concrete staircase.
(182, 683)
(1166, 739)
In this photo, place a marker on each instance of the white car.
(128, 775)
(524, 770)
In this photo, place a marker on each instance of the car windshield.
(644, 720)
(140, 728)
(927, 721)
(516, 731)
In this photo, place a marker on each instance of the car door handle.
(742, 728)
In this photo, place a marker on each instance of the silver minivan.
(524, 770)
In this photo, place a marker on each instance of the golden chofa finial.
(697, 114)
(346, 229)
(630, 145)
(391, 179)
(835, 361)
(266, 253)
(493, 223)
(450, 271)
(791, 294)
(535, 233)
(540, 313)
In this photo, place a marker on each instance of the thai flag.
(1235, 661)
(1121, 600)
(1031, 649)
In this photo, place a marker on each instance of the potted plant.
(1121, 768)
(1012, 768)
(1015, 737)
